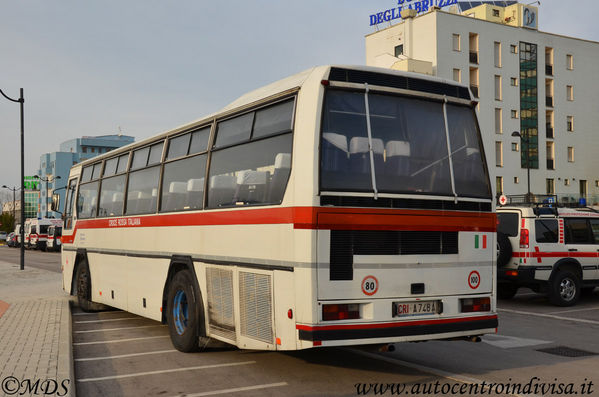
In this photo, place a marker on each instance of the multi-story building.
(57, 164)
(539, 85)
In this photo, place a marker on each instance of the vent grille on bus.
(348, 201)
(221, 316)
(347, 243)
(255, 305)
(403, 82)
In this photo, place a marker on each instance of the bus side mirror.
(55, 202)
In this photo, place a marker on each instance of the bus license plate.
(402, 309)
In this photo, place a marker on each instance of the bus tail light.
(524, 238)
(512, 273)
(471, 305)
(340, 312)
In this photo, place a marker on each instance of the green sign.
(31, 183)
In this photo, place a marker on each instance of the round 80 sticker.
(370, 285)
(474, 279)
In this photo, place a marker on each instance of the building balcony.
(549, 70)
(549, 131)
(473, 57)
(549, 101)
(550, 164)
(474, 89)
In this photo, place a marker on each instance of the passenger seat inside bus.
(177, 193)
(221, 190)
(398, 158)
(195, 193)
(359, 157)
(279, 177)
(335, 156)
(251, 186)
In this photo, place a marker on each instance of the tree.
(7, 222)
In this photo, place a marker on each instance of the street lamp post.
(13, 189)
(21, 101)
(523, 139)
(46, 180)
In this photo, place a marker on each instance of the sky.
(141, 67)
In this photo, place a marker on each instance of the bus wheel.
(565, 289)
(183, 314)
(84, 289)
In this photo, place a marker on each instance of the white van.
(548, 249)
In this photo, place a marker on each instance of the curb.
(65, 356)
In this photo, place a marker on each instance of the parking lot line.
(118, 340)
(108, 320)
(430, 370)
(166, 371)
(238, 389)
(117, 329)
(580, 320)
(576, 310)
(125, 355)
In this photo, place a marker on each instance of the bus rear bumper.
(401, 330)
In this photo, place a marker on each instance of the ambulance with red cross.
(547, 248)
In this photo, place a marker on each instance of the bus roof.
(295, 81)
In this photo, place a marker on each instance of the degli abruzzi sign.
(420, 6)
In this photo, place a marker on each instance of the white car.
(549, 249)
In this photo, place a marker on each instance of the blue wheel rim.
(180, 312)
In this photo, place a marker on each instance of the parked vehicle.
(11, 240)
(36, 232)
(549, 249)
(3, 236)
(54, 235)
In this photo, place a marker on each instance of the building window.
(570, 62)
(514, 113)
(474, 82)
(83, 149)
(473, 46)
(597, 183)
(514, 81)
(516, 180)
(456, 42)
(550, 186)
(570, 92)
(499, 184)
(399, 50)
(497, 88)
(515, 147)
(513, 48)
(498, 121)
(529, 106)
(570, 154)
(570, 123)
(566, 182)
(550, 155)
(498, 154)
(495, 12)
(93, 150)
(457, 75)
(497, 53)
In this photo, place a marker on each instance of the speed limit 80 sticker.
(370, 285)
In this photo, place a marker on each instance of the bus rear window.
(410, 151)
(508, 223)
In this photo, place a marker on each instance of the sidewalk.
(35, 333)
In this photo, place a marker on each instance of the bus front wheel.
(183, 312)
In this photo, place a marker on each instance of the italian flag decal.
(480, 241)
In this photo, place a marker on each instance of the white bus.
(339, 206)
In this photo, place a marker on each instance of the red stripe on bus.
(555, 254)
(307, 218)
(391, 325)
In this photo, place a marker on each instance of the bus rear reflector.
(524, 238)
(513, 273)
(471, 305)
(340, 312)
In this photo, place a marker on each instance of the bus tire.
(84, 289)
(564, 288)
(183, 312)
